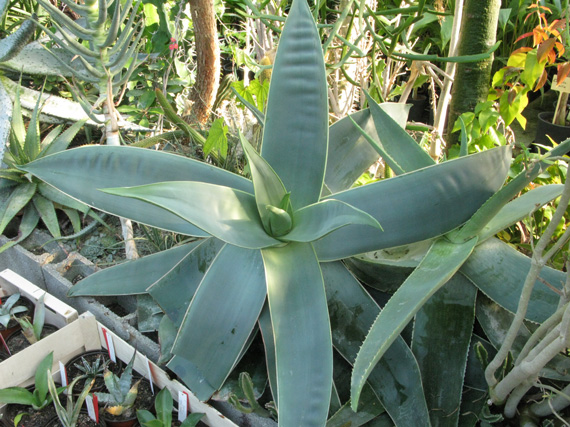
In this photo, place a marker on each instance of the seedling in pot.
(68, 416)
(40, 397)
(9, 309)
(92, 370)
(121, 397)
(33, 330)
(164, 406)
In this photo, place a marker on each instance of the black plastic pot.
(545, 128)
(418, 110)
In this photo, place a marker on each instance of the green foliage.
(40, 397)
(9, 309)
(33, 331)
(69, 415)
(122, 392)
(164, 406)
(275, 238)
(23, 192)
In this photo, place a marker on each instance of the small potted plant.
(69, 416)
(164, 407)
(120, 398)
(8, 311)
(32, 405)
(31, 330)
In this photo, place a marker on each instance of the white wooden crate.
(57, 312)
(86, 334)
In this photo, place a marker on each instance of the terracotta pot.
(546, 127)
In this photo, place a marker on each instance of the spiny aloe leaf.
(229, 214)
(440, 263)
(520, 208)
(219, 320)
(396, 379)
(5, 120)
(15, 42)
(295, 135)
(495, 203)
(29, 222)
(317, 220)
(18, 198)
(441, 337)
(418, 205)
(46, 209)
(303, 347)
(81, 172)
(499, 271)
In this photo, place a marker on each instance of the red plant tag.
(63, 374)
(183, 405)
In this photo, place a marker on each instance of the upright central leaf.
(295, 137)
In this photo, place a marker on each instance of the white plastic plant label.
(183, 405)
(110, 345)
(63, 374)
(563, 87)
(92, 407)
(150, 377)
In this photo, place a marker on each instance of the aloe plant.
(9, 309)
(122, 392)
(21, 192)
(278, 236)
(69, 414)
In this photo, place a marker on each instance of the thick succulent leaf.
(350, 154)
(29, 222)
(440, 263)
(295, 135)
(418, 205)
(19, 197)
(5, 120)
(269, 190)
(492, 206)
(133, 277)
(496, 321)
(398, 149)
(57, 196)
(15, 42)
(266, 329)
(81, 172)
(176, 288)
(442, 333)
(36, 60)
(62, 141)
(317, 220)
(230, 215)
(396, 379)
(303, 347)
(368, 409)
(46, 209)
(219, 321)
(499, 271)
(520, 208)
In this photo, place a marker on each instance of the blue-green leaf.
(499, 271)
(81, 172)
(317, 220)
(442, 333)
(219, 321)
(396, 379)
(132, 277)
(398, 149)
(295, 135)
(440, 263)
(303, 347)
(174, 291)
(418, 205)
(18, 198)
(230, 215)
